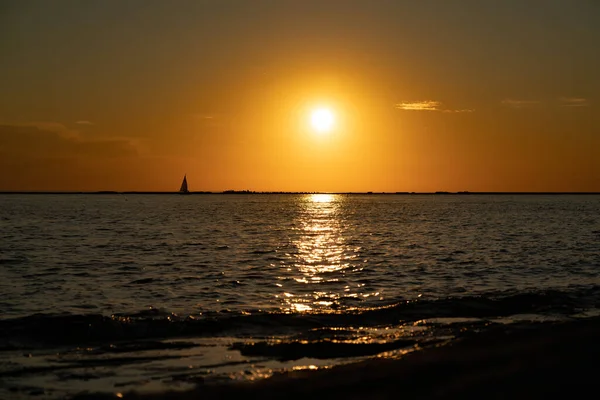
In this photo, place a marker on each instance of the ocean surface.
(117, 292)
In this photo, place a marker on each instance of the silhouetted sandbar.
(533, 361)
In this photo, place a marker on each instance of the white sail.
(184, 185)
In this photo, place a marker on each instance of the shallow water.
(79, 273)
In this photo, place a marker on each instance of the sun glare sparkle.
(322, 119)
(321, 198)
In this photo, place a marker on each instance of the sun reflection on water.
(321, 256)
(322, 198)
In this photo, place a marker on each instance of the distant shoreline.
(235, 192)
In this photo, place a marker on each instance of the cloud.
(562, 102)
(573, 102)
(206, 116)
(210, 120)
(47, 126)
(514, 103)
(464, 110)
(32, 140)
(429, 105)
(84, 122)
(42, 125)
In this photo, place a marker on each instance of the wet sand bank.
(520, 362)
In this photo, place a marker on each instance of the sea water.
(118, 292)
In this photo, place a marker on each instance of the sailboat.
(184, 186)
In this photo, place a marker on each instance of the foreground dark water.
(146, 292)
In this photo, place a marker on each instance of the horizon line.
(105, 192)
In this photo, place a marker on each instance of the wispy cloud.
(561, 102)
(43, 125)
(33, 139)
(429, 105)
(210, 120)
(47, 126)
(464, 110)
(205, 116)
(84, 122)
(515, 103)
(573, 102)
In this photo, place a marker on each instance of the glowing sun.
(322, 119)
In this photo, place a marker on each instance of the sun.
(322, 119)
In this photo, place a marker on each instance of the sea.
(114, 293)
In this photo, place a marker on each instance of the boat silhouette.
(184, 186)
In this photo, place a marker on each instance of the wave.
(46, 329)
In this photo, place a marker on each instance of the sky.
(429, 95)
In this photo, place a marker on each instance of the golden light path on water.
(322, 256)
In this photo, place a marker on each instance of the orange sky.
(427, 96)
